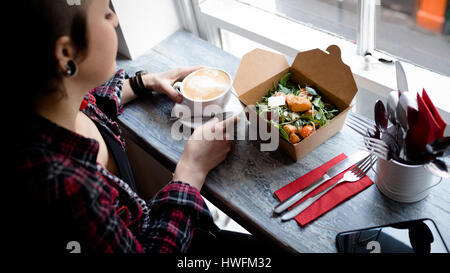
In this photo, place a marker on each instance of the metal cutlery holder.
(404, 183)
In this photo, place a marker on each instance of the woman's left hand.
(163, 82)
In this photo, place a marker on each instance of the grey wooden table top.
(243, 185)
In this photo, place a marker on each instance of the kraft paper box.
(324, 71)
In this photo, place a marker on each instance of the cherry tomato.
(306, 131)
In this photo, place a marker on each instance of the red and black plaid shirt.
(70, 197)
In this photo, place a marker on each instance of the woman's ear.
(64, 52)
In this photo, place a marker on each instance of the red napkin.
(331, 199)
(434, 111)
(428, 127)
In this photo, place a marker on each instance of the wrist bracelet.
(137, 84)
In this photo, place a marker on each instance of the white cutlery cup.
(404, 183)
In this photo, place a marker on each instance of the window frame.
(369, 73)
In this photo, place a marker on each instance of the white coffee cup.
(197, 106)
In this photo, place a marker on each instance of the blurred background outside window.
(417, 31)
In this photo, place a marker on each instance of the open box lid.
(327, 72)
(260, 68)
(256, 68)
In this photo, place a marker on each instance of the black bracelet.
(134, 86)
(137, 84)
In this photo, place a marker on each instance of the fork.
(354, 174)
(375, 146)
(366, 129)
(361, 126)
(378, 148)
(362, 129)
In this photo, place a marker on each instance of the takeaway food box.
(324, 71)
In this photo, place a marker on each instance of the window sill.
(276, 32)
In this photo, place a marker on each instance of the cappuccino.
(206, 84)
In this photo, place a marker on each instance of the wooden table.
(243, 185)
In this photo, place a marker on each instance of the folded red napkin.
(433, 110)
(429, 125)
(331, 199)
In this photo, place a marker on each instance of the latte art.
(206, 84)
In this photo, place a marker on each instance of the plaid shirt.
(77, 199)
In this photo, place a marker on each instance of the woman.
(74, 177)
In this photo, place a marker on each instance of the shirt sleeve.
(109, 94)
(175, 212)
(95, 217)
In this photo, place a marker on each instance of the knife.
(402, 87)
(402, 83)
(307, 203)
(335, 170)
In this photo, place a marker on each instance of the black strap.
(120, 157)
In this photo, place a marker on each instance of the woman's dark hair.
(46, 22)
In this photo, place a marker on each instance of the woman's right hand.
(205, 149)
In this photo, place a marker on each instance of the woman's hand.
(202, 153)
(163, 82)
(160, 82)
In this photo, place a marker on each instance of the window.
(389, 29)
(415, 31)
(339, 17)
(238, 45)
(403, 28)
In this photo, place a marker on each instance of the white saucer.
(233, 107)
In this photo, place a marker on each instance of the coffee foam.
(206, 84)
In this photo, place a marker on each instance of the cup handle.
(432, 186)
(394, 192)
(417, 193)
(177, 86)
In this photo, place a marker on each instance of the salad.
(301, 113)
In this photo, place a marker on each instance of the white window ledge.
(289, 37)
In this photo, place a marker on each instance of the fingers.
(186, 70)
(213, 129)
(206, 129)
(211, 122)
(171, 92)
(181, 72)
(177, 74)
(227, 123)
(231, 121)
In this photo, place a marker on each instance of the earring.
(71, 70)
